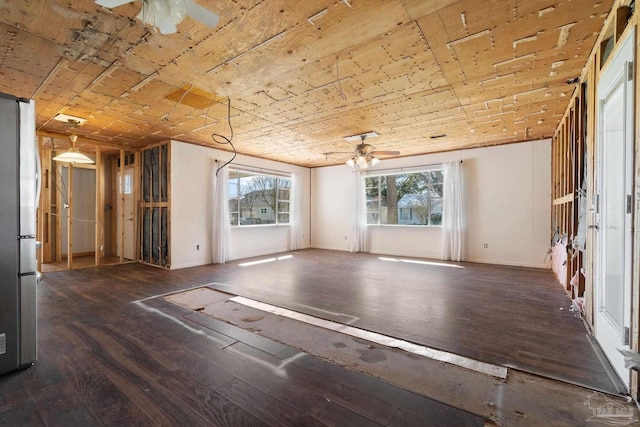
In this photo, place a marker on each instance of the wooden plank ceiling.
(301, 75)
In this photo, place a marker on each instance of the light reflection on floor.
(415, 261)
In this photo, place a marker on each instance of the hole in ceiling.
(196, 98)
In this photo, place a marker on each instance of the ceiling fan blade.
(112, 3)
(166, 26)
(203, 15)
(385, 153)
(337, 152)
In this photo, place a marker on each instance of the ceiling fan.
(364, 155)
(166, 14)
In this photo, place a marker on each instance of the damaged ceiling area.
(427, 76)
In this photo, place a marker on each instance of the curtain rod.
(407, 168)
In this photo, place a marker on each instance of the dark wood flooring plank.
(482, 311)
(333, 414)
(103, 398)
(204, 399)
(254, 340)
(119, 358)
(426, 409)
(26, 414)
(139, 376)
(187, 330)
(357, 401)
(14, 388)
(265, 407)
(65, 409)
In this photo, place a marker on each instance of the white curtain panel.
(296, 240)
(221, 227)
(453, 212)
(358, 231)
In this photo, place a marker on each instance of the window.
(405, 198)
(257, 199)
(127, 184)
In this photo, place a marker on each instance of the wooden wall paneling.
(114, 201)
(563, 177)
(167, 200)
(41, 217)
(44, 207)
(69, 217)
(579, 171)
(120, 191)
(155, 204)
(160, 198)
(99, 228)
(620, 21)
(59, 201)
(592, 78)
(136, 205)
(569, 205)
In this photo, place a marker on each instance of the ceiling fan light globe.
(374, 161)
(350, 162)
(361, 161)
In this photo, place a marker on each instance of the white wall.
(508, 199)
(192, 167)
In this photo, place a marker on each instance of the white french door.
(612, 292)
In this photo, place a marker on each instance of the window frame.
(277, 201)
(394, 172)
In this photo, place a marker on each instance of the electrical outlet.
(486, 245)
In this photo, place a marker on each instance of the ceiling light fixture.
(72, 155)
(69, 119)
(363, 161)
(364, 156)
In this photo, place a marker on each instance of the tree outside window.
(405, 199)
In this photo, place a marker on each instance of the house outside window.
(405, 198)
(258, 199)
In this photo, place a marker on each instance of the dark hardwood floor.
(106, 360)
(510, 316)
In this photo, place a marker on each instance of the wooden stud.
(70, 217)
(58, 217)
(99, 217)
(120, 191)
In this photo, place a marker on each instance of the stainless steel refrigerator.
(19, 188)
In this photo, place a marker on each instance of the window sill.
(259, 226)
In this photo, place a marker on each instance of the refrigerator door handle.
(38, 176)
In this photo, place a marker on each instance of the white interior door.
(613, 271)
(125, 215)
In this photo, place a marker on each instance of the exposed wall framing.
(574, 148)
(52, 202)
(568, 168)
(154, 206)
